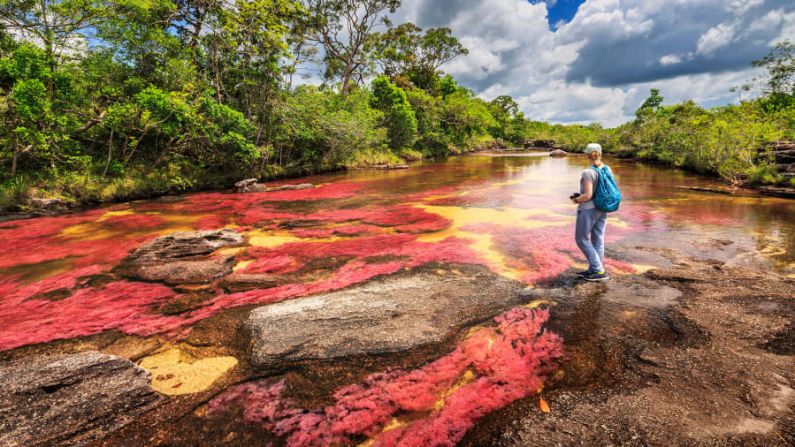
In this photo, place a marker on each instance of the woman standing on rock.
(591, 221)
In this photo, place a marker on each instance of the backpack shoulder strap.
(597, 172)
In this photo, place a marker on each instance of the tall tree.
(343, 28)
(59, 26)
(406, 51)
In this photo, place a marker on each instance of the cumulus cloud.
(670, 59)
(714, 38)
(600, 65)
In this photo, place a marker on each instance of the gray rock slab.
(181, 258)
(70, 400)
(392, 314)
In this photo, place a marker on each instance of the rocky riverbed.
(694, 353)
(432, 305)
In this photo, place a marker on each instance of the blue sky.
(560, 11)
(580, 61)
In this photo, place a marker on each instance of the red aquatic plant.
(487, 371)
(121, 305)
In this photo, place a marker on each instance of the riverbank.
(49, 204)
(773, 190)
(48, 199)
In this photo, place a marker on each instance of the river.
(507, 212)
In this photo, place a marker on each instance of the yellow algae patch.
(465, 378)
(270, 239)
(482, 243)
(516, 217)
(616, 222)
(98, 230)
(175, 372)
(110, 214)
(231, 251)
(179, 222)
(538, 303)
(242, 264)
(643, 268)
(391, 425)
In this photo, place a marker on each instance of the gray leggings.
(590, 236)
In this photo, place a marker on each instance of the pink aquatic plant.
(488, 370)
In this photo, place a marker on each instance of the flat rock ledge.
(393, 314)
(251, 185)
(70, 400)
(182, 258)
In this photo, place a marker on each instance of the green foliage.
(319, 129)
(512, 126)
(466, 117)
(399, 118)
(650, 105)
(780, 83)
(404, 52)
(130, 97)
(432, 139)
(729, 141)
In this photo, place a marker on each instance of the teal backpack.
(607, 197)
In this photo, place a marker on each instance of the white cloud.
(714, 38)
(601, 65)
(575, 103)
(740, 7)
(480, 61)
(787, 30)
(670, 59)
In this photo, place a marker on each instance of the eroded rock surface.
(251, 185)
(684, 355)
(70, 400)
(181, 258)
(393, 314)
(242, 282)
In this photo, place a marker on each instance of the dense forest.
(111, 99)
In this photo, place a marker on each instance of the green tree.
(780, 66)
(650, 104)
(405, 51)
(343, 28)
(60, 26)
(399, 117)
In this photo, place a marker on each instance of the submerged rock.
(242, 282)
(181, 258)
(245, 185)
(389, 166)
(70, 400)
(251, 185)
(291, 187)
(393, 314)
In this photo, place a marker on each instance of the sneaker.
(583, 273)
(597, 276)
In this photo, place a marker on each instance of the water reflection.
(509, 213)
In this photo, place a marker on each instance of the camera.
(574, 196)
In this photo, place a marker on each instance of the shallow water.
(507, 212)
